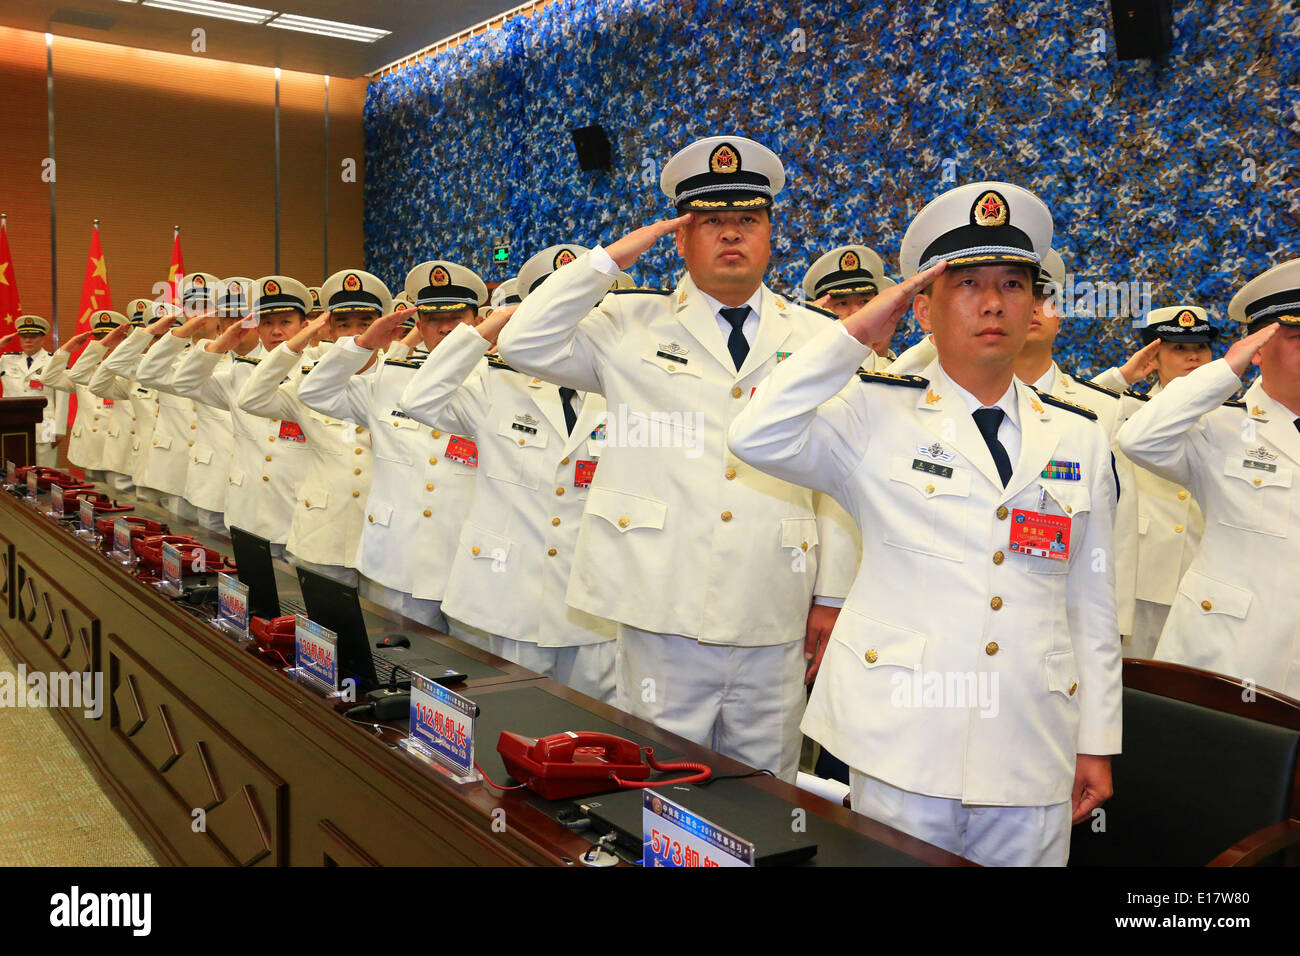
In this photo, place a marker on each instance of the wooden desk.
(18, 420)
(196, 722)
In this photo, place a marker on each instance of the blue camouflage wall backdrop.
(1181, 175)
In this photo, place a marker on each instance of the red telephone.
(277, 633)
(574, 764)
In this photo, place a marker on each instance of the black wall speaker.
(1143, 28)
(592, 146)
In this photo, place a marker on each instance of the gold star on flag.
(100, 269)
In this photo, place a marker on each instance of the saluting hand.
(227, 340)
(379, 333)
(115, 337)
(1242, 351)
(192, 327)
(491, 327)
(6, 339)
(627, 250)
(1141, 363)
(877, 320)
(158, 326)
(308, 333)
(76, 342)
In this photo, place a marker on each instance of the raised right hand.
(627, 250)
(1243, 350)
(76, 342)
(379, 333)
(1141, 363)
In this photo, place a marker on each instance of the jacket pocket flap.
(1213, 596)
(877, 644)
(672, 366)
(928, 484)
(798, 533)
(530, 432)
(1072, 497)
(1258, 474)
(481, 543)
(1062, 675)
(380, 514)
(626, 511)
(202, 454)
(316, 497)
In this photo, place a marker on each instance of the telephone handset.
(578, 763)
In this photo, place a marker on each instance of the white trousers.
(148, 494)
(47, 456)
(118, 482)
(335, 572)
(588, 669)
(211, 520)
(428, 613)
(181, 508)
(1148, 621)
(744, 702)
(990, 836)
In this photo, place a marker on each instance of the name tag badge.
(527, 429)
(931, 468)
(1040, 535)
(462, 450)
(108, 403)
(35, 386)
(291, 431)
(583, 472)
(1257, 465)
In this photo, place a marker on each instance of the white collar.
(1009, 403)
(755, 302)
(1048, 380)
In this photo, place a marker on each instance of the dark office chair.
(1206, 778)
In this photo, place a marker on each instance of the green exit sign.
(500, 253)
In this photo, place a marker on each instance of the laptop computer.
(253, 560)
(750, 814)
(337, 606)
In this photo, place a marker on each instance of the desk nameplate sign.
(172, 580)
(442, 729)
(232, 607)
(86, 521)
(121, 552)
(11, 474)
(316, 657)
(56, 502)
(674, 836)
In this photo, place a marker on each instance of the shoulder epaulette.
(1140, 396)
(496, 361)
(820, 311)
(641, 292)
(1094, 386)
(403, 363)
(1235, 404)
(1068, 406)
(890, 378)
(245, 359)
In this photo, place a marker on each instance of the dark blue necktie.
(737, 344)
(570, 416)
(987, 421)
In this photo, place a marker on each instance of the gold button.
(803, 545)
(194, 426)
(1069, 510)
(672, 368)
(190, 444)
(266, 477)
(726, 516)
(155, 441)
(327, 421)
(729, 474)
(94, 429)
(474, 550)
(427, 512)
(270, 438)
(559, 491)
(871, 656)
(552, 552)
(356, 451)
(622, 522)
(433, 460)
(929, 489)
(1206, 606)
(555, 522)
(196, 461)
(991, 648)
(998, 557)
(564, 461)
(268, 457)
(436, 433)
(1002, 513)
(536, 380)
(1259, 481)
(360, 429)
(397, 424)
(996, 603)
(1073, 688)
(1178, 529)
(356, 471)
(523, 441)
(1182, 495)
(736, 392)
(306, 504)
(132, 431)
(370, 518)
(428, 486)
(356, 494)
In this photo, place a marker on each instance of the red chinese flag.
(94, 296)
(176, 275)
(10, 307)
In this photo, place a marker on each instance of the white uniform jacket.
(90, 427)
(423, 480)
(120, 450)
(679, 536)
(1237, 610)
(330, 509)
(18, 379)
(270, 457)
(175, 433)
(958, 667)
(516, 547)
